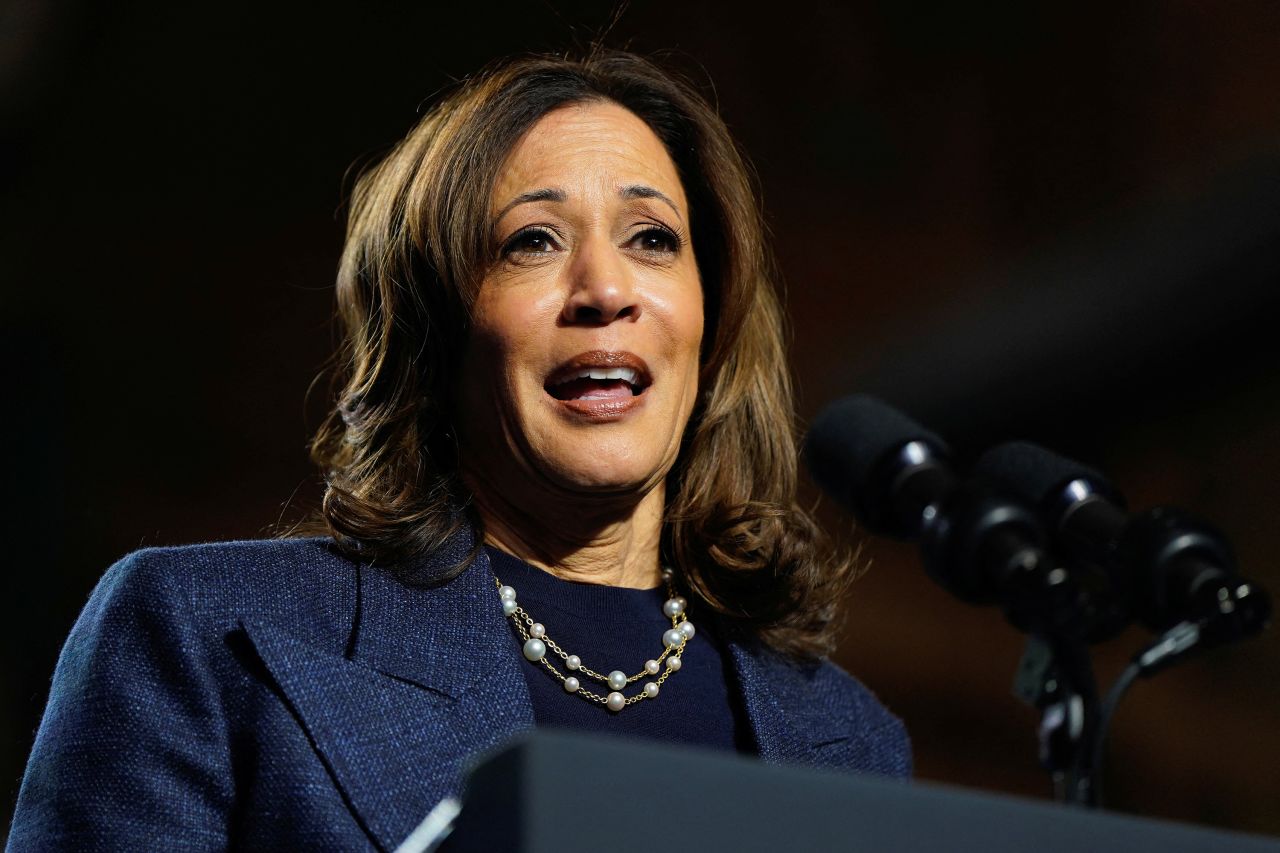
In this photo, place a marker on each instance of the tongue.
(592, 389)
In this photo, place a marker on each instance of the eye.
(657, 240)
(530, 241)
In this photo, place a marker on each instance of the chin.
(603, 480)
(601, 474)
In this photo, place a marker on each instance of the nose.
(601, 287)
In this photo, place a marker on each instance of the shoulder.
(822, 684)
(232, 563)
(837, 689)
(842, 722)
(301, 581)
(887, 746)
(150, 686)
(836, 692)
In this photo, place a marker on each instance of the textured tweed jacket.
(274, 695)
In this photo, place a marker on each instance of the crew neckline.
(579, 598)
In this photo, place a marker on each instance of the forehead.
(579, 148)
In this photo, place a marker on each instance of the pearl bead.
(507, 593)
(573, 661)
(617, 680)
(673, 607)
(534, 649)
(651, 667)
(650, 689)
(674, 662)
(537, 629)
(571, 685)
(616, 702)
(509, 606)
(686, 628)
(673, 638)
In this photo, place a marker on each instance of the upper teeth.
(626, 374)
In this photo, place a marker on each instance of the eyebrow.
(545, 194)
(551, 194)
(642, 191)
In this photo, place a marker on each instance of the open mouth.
(599, 376)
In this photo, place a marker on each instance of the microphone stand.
(1056, 676)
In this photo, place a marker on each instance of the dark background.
(1048, 221)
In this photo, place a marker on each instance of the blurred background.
(1058, 222)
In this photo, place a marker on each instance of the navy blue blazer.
(276, 695)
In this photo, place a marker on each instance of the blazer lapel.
(431, 680)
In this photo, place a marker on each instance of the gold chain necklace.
(537, 643)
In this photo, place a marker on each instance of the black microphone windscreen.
(849, 437)
(1035, 474)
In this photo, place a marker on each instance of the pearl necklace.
(537, 643)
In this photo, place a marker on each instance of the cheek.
(698, 323)
(484, 381)
(682, 317)
(689, 320)
(503, 335)
(678, 302)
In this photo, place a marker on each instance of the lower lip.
(603, 408)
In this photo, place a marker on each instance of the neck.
(594, 541)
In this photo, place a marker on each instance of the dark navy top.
(613, 628)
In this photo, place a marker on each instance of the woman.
(563, 440)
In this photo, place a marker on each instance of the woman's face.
(582, 366)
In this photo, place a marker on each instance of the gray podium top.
(556, 791)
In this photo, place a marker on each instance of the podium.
(564, 792)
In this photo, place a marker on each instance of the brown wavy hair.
(418, 242)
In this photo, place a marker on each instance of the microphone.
(1171, 567)
(1080, 505)
(979, 544)
(885, 468)
(1084, 514)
